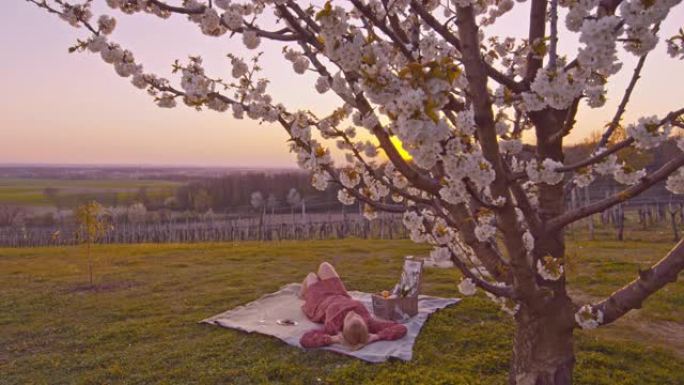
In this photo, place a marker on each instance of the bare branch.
(649, 180)
(623, 103)
(669, 118)
(632, 295)
(598, 157)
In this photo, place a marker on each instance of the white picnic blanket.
(260, 316)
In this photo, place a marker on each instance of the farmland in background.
(42, 195)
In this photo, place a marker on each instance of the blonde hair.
(355, 332)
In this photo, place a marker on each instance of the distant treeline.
(232, 193)
(229, 193)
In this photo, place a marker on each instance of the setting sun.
(400, 147)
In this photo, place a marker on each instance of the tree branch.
(669, 118)
(536, 35)
(491, 258)
(663, 172)
(443, 31)
(484, 119)
(361, 103)
(553, 43)
(632, 295)
(623, 103)
(273, 35)
(598, 157)
(501, 291)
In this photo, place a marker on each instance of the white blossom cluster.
(599, 52)
(442, 234)
(299, 61)
(125, 66)
(583, 177)
(512, 55)
(528, 241)
(76, 14)
(622, 173)
(648, 132)
(675, 182)
(607, 166)
(544, 172)
(511, 146)
(557, 88)
(639, 16)
(369, 212)
(550, 268)
(373, 189)
(467, 287)
(578, 11)
(627, 175)
(133, 6)
(350, 177)
(398, 179)
(413, 221)
(462, 161)
(194, 82)
(501, 8)
(345, 197)
(440, 257)
(507, 305)
(587, 317)
(251, 39)
(485, 229)
(106, 24)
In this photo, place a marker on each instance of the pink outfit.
(327, 302)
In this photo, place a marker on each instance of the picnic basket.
(402, 304)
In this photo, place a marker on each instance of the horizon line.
(139, 165)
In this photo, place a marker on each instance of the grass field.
(140, 326)
(31, 192)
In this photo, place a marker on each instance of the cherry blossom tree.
(424, 72)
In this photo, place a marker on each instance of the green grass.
(141, 327)
(30, 192)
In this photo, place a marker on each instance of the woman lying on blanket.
(345, 320)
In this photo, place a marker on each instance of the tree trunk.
(620, 222)
(590, 218)
(675, 230)
(543, 349)
(543, 352)
(90, 265)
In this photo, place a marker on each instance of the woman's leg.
(326, 270)
(310, 279)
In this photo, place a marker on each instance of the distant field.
(141, 327)
(69, 192)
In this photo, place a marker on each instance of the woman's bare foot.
(326, 270)
(310, 279)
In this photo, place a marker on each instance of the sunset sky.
(73, 109)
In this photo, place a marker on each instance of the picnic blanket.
(260, 316)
